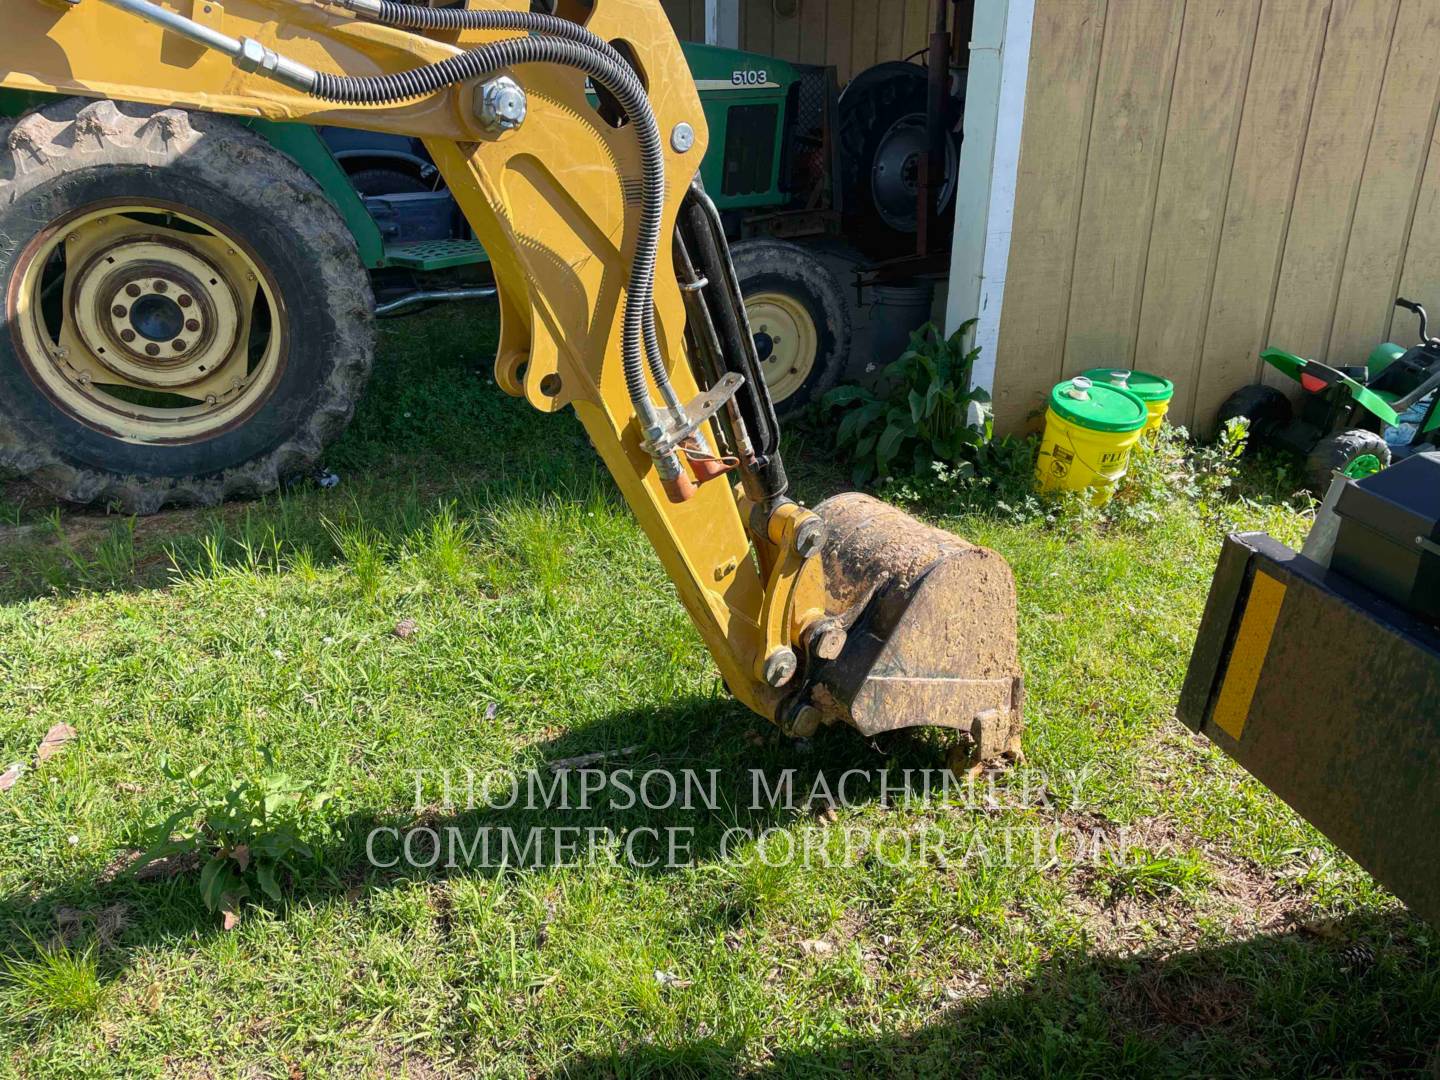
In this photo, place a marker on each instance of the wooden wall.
(851, 34)
(1201, 178)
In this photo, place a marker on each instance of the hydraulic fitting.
(254, 56)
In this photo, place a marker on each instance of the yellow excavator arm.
(617, 299)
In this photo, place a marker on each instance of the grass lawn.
(1207, 931)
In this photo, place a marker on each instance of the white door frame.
(989, 162)
(722, 23)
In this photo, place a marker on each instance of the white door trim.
(989, 163)
(722, 23)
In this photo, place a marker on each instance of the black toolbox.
(1389, 538)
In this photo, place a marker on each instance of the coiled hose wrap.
(564, 42)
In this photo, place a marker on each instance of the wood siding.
(1202, 178)
(850, 34)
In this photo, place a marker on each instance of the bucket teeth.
(935, 644)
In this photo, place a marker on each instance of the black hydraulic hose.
(616, 76)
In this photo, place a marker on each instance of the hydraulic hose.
(620, 80)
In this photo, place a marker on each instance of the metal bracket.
(695, 414)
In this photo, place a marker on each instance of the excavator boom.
(617, 299)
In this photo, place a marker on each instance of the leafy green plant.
(920, 415)
(245, 832)
(1168, 467)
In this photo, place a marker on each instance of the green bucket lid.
(1098, 406)
(1142, 384)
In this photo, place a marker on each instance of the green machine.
(1344, 412)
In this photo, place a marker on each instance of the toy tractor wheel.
(188, 317)
(798, 313)
(1265, 408)
(1339, 452)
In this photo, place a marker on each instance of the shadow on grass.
(1358, 996)
(712, 746)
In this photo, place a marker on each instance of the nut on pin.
(500, 103)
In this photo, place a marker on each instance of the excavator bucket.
(932, 636)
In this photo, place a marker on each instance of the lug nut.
(118, 311)
(127, 335)
(161, 286)
(178, 345)
(192, 325)
(152, 350)
(132, 289)
(183, 300)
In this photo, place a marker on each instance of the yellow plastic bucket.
(1155, 391)
(1090, 429)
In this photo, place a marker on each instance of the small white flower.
(72, 839)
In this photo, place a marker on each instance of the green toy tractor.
(1343, 413)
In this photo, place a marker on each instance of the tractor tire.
(800, 317)
(188, 318)
(1266, 408)
(1337, 452)
(882, 140)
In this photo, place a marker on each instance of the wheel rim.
(895, 173)
(1363, 465)
(785, 339)
(147, 322)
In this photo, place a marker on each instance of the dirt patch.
(1241, 897)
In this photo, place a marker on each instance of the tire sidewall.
(891, 100)
(72, 155)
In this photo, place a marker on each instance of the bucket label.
(1060, 461)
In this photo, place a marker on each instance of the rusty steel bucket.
(931, 636)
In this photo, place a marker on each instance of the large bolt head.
(500, 104)
(810, 537)
(780, 666)
(804, 722)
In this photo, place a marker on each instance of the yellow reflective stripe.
(1247, 658)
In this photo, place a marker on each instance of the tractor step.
(435, 254)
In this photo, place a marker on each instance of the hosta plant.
(924, 410)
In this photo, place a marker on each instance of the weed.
(55, 983)
(246, 831)
(1140, 872)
